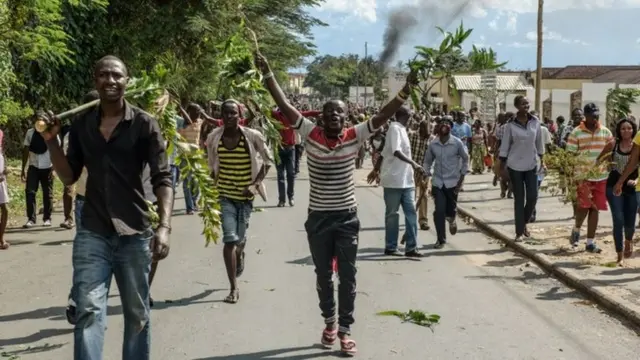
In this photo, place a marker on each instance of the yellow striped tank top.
(235, 171)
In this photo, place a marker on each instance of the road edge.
(571, 280)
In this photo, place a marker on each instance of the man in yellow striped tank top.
(237, 172)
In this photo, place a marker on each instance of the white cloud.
(519, 45)
(366, 9)
(481, 42)
(549, 35)
(493, 24)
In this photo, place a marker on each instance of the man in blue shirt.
(446, 162)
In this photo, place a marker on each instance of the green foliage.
(619, 103)
(332, 75)
(53, 45)
(434, 64)
(566, 171)
(417, 317)
(148, 92)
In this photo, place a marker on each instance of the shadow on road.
(56, 313)
(280, 353)
(11, 354)
(40, 335)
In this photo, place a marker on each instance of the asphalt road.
(494, 305)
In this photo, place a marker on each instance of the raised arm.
(289, 111)
(392, 106)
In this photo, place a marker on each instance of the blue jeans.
(623, 212)
(95, 260)
(235, 217)
(393, 199)
(175, 177)
(191, 193)
(445, 202)
(286, 165)
(78, 214)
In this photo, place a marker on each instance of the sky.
(577, 32)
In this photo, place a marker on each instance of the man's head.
(230, 113)
(194, 111)
(445, 126)
(591, 114)
(334, 113)
(403, 115)
(111, 78)
(577, 116)
(560, 120)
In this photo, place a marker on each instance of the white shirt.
(395, 173)
(546, 136)
(81, 184)
(39, 161)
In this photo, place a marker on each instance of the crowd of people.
(116, 148)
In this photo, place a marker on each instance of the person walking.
(521, 146)
(419, 141)
(624, 206)
(587, 141)
(446, 162)
(479, 146)
(397, 179)
(332, 225)
(114, 141)
(39, 173)
(239, 160)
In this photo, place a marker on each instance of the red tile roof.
(583, 71)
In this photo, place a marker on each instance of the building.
(296, 84)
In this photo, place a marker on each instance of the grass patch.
(17, 202)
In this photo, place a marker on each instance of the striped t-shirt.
(331, 164)
(235, 171)
(589, 144)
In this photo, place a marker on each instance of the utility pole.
(365, 74)
(539, 59)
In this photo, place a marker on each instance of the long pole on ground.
(538, 84)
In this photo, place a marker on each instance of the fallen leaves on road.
(417, 317)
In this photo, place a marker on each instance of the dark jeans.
(335, 233)
(445, 202)
(39, 178)
(299, 152)
(524, 185)
(287, 158)
(623, 212)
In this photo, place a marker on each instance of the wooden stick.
(42, 125)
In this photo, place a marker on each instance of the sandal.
(329, 337)
(628, 248)
(348, 347)
(233, 297)
(526, 232)
(240, 265)
(4, 246)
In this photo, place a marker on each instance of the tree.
(434, 64)
(53, 45)
(619, 103)
(333, 75)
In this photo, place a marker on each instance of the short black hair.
(518, 99)
(110, 58)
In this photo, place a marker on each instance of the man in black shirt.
(114, 142)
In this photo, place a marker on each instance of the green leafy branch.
(619, 103)
(146, 91)
(417, 317)
(239, 79)
(566, 171)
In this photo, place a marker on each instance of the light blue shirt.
(450, 162)
(462, 132)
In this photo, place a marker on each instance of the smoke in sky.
(425, 15)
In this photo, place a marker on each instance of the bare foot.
(4, 245)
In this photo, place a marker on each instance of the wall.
(564, 84)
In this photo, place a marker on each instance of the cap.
(591, 109)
